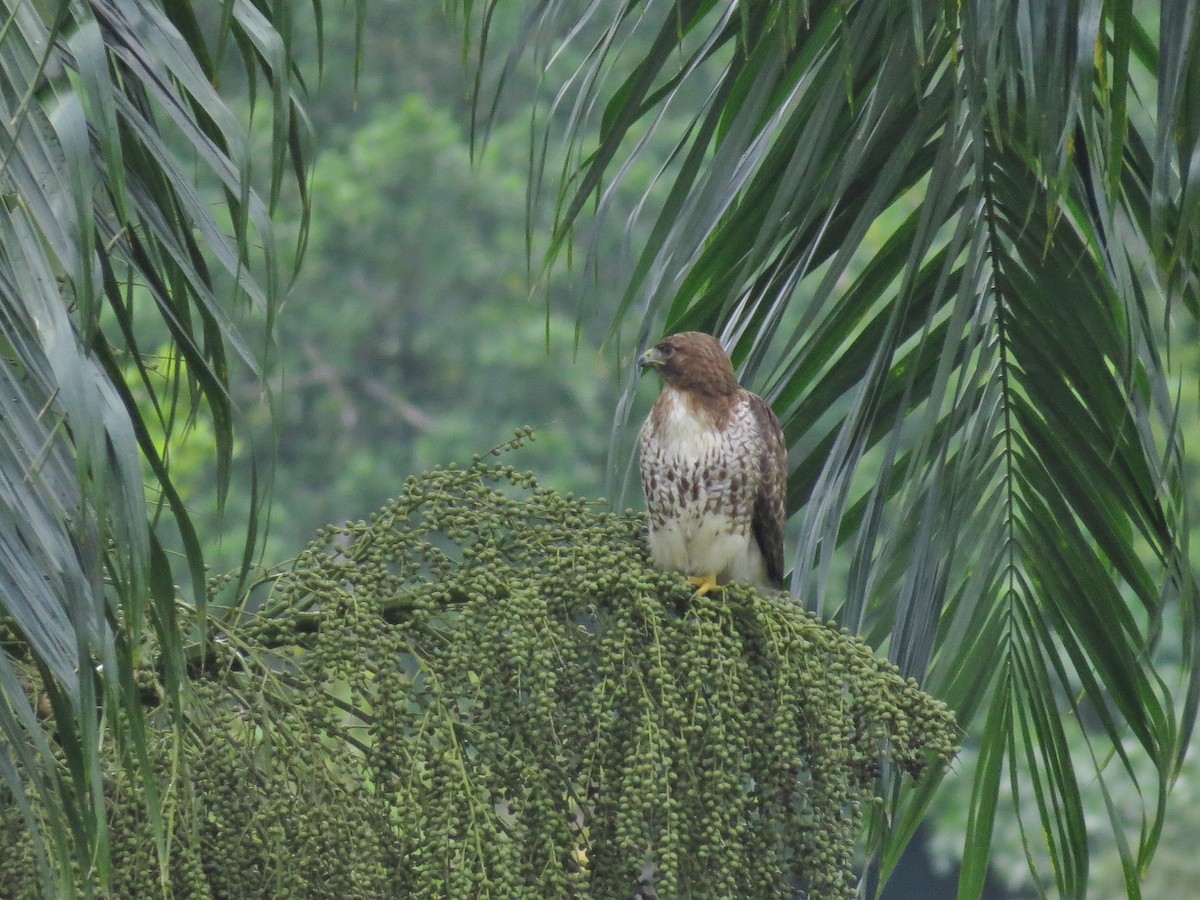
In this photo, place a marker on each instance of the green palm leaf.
(942, 239)
(130, 222)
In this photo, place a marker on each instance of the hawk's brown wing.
(770, 506)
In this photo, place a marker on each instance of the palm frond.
(131, 219)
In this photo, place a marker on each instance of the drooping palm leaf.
(131, 222)
(943, 239)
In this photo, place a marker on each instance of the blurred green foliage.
(416, 332)
(411, 340)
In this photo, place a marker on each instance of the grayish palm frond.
(131, 222)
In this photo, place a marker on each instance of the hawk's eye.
(665, 350)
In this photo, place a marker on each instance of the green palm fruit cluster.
(486, 690)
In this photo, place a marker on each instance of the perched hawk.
(714, 469)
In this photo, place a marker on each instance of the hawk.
(714, 469)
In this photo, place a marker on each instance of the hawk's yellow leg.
(704, 583)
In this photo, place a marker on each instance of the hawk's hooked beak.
(651, 359)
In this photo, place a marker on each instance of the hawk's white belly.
(708, 547)
(700, 489)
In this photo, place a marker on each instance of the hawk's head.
(692, 361)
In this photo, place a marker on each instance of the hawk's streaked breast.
(701, 478)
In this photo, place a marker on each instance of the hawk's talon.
(704, 584)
